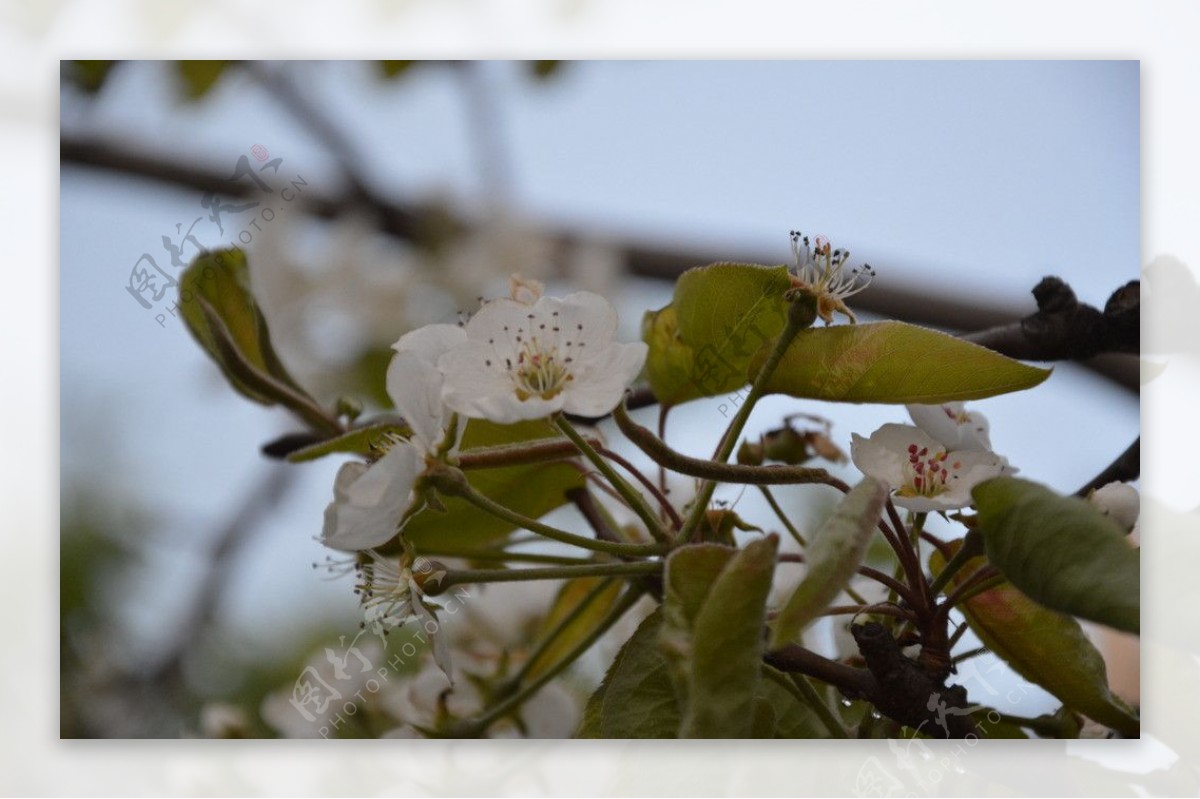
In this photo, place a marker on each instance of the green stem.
(791, 528)
(800, 688)
(478, 725)
(506, 556)
(972, 547)
(516, 454)
(741, 473)
(632, 497)
(550, 637)
(801, 314)
(462, 576)
(453, 482)
(970, 590)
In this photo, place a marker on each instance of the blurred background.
(376, 197)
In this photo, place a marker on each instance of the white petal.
(884, 454)
(416, 390)
(366, 512)
(598, 389)
(431, 341)
(585, 316)
(942, 422)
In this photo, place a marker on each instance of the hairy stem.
(632, 497)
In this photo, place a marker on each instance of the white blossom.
(372, 502)
(924, 475)
(530, 361)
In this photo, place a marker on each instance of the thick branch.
(1065, 329)
(1127, 467)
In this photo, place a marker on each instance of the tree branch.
(1127, 467)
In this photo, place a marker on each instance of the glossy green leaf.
(1061, 551)
(893, 362)
(832, 558)
(723, 313)
(713, 634)
(370, 438)
(532, 490)
(1045, 647)
(569, 598)
(198, 77)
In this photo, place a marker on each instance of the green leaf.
(832, 559)
(669, 363)
(722, 314)
(569, 597)
(713, 633)
(221, 313)
(532, 490)
(1045, 647)
(636, 699)
(1062, 552)
(368, 439)
(199, 77)
(893, 362)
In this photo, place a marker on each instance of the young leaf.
(636, 699)
(1045, 647)
(832, 558)
(722, 314)
(893, 362)
(222, 315)
(1061, 551)
(719, 653)
(532, 490)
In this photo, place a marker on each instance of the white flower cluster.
(526, 356)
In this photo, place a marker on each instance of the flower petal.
(367, 509)
(943, 423)
(598, 389)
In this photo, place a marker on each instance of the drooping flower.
(392, 596)
(924, 475)
(952, 426)
(372, 502)
(821, 271)
(529, 361)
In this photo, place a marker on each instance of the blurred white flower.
(1120, 501)
(528, 362)
(924, 475)
(371, 503)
